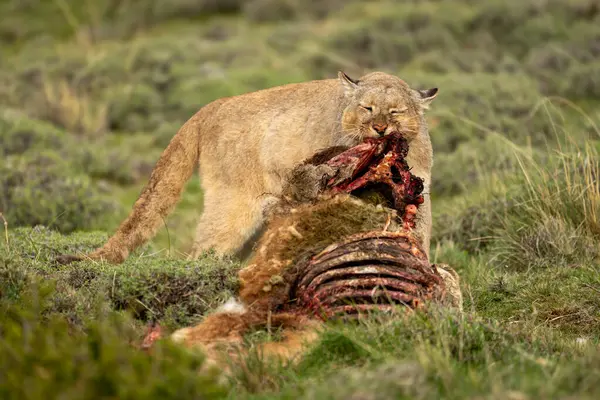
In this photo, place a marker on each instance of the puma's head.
(379, 103)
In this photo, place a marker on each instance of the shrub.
(474, 105)
(100, 20)
(90, 92)
(567, 68)
(472, 227)
(172, 292)
(477, 160)
(467, 60)
(40, 357)
(40, 189)
(122, 160)
(520, 26)
(545, 216)
(276, 10)
(19, 134)
(135, 108)
(104, 158)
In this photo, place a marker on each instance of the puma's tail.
(173, 169)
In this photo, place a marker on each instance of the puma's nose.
(380, 128)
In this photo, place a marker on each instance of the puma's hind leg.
(229, 219)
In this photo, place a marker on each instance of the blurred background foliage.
(101, 86)
(91, 91)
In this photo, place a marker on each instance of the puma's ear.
(348, 83)
(426, 96)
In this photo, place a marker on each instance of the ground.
(91, 92)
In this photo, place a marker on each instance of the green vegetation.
(92, 91)
(147, 286)
(40, 357)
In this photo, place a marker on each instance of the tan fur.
(247, 145)
(220, 336)
(451, 279)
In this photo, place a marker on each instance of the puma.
(247, 145)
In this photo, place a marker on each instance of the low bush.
(478, 160)
(19, 134)
(567, 68)
(107, 158)
(40, 188)
(172, 292)
(42, 358)
(545, 214)
(472, 106)
(100, 20)
(471, 225)
(275, 10)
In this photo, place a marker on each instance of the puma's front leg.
(230, 218)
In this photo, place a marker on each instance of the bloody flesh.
(370, 270)
(379, 163)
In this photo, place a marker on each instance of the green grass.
(92, 91)
(42, 357)
(438, 355)
(147, 286)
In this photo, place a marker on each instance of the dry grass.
(5, 223)
(556, 218)
(77, 113)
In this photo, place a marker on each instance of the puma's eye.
(396, 111)
(369, 109)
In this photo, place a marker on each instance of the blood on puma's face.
(380, 105)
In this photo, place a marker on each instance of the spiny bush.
(567, 68)
(386, 36)
(104, 158)
(473, 227)
(99, 20)
(50, 177)
(276, 10)
(94, 91)
(122, 160)
(467, 59)
(80, 95)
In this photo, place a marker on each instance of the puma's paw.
(113, 256)
(65, 259)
